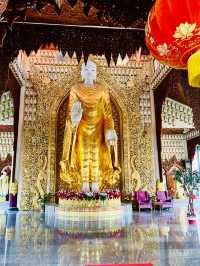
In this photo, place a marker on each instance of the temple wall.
(47, 89)
(174, 145)
(6, 129)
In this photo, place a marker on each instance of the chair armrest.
(141, 201)
(158, 200)
(168, 200)
(146, 201)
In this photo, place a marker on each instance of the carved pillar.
(186, 149)
(18, 171)
(159, 97)
(154, 138)
(14, 87)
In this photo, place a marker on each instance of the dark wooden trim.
(191, 144)
(6, 128)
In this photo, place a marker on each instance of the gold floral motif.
(184, 31)
(163, 49)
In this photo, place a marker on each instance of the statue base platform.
(89, 204)
(89, 212)
(89, 209)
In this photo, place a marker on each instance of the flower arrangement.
(46, 197)
(43, 199)
(104, 195)
(63, 235)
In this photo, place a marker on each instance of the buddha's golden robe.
(86, 155)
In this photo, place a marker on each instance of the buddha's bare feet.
(86, 187)
(95, 186)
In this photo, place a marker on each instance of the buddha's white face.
(88, 72)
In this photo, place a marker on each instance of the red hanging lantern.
(173, 35)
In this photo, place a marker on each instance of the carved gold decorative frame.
(126, 85)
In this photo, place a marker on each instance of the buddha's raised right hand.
(76, 113)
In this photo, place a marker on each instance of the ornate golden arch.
(124, 132)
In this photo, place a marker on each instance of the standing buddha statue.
(89, 160)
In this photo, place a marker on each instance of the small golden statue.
(4, 185)
(89, 158)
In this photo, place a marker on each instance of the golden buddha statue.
(89, 160)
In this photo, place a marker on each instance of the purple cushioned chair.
(162, 196)
(142, 200)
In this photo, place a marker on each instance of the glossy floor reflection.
(160, 238)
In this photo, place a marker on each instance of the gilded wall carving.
(60, 136)
(40, 136)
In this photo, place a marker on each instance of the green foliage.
(46, 198)
(188, 179)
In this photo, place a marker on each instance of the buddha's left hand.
(111, 137)
(63, 166)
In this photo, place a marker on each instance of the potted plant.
(45, 199)
(189, 180)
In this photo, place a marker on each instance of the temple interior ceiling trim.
(110, 42)
(115, 27)
(119, 13)
(192, 134)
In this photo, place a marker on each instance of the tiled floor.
(3, 207)
(160, 238)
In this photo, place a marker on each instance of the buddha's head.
(89, 72)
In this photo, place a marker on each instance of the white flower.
(163, 49)
(184, 30)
